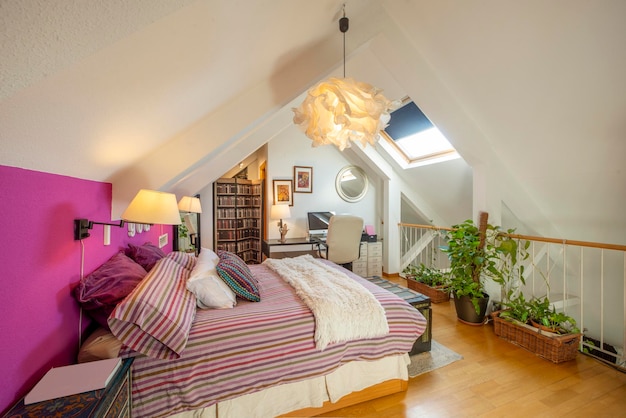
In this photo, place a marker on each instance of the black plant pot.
(466, 312)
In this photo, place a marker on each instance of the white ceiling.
(531, 93)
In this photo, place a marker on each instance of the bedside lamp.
(281, 212)
(189, 204)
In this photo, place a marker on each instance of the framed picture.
(283, 192)
(303, 177)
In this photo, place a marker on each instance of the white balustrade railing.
(585, 280)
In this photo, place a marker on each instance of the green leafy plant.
(517, 309)
(543, 313)
(427, 275)
(475, 254)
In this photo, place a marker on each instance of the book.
(75, 378)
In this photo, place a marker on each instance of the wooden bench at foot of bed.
(388, 387)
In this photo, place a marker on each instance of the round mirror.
(351, 183)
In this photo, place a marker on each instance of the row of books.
(226, 213)
(239, 201)
(253, 189)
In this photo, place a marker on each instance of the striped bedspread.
(256, 345)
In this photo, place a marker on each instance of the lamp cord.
(80, 308)
(344, 53)
(343, 27)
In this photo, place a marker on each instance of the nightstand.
(114, 401)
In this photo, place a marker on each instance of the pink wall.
(39, 261)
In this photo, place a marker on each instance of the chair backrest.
(344, 238)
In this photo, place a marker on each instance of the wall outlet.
(162, 240)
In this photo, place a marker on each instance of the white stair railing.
(586, 280)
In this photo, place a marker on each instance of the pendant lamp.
(342, 110)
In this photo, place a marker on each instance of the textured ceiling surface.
(531, 92)
(42, 37)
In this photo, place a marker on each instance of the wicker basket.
(553, 347)
(436, 294)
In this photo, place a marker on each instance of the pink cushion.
(99, 292)
(187, 260)
(156, 317)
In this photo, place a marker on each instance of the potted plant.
(543, 316)
(427, 281)
(536, 326)
(476, 253)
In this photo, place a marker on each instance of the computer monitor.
(318, 223)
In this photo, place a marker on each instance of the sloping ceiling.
(169, 94)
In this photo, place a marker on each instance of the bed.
(255, 358)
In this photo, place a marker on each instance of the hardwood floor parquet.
(498, 379)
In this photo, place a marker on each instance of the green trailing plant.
(183, 232)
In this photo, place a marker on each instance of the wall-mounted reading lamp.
(147, 207)
(82, 227)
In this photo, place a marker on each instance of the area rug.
(437, 357)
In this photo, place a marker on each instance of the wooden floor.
(498, 379)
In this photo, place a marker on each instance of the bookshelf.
(238, 217)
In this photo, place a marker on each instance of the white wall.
(291, 147)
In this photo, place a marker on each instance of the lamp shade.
(153, 207)
(189, 204)
(341, 110)
(280, 212)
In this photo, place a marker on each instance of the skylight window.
(413, 140)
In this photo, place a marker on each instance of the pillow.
(187, 260)
(237, 275)
(105, 287)
(100, 345)
(145, 255)
(156, 317)
(211, 291)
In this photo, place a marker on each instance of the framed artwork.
(283, 192)
(303, 177)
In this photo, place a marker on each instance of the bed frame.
(388, 387)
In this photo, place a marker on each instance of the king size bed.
(299, 335)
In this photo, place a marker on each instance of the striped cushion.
(187, 260)
(156, 317)
(237, 275)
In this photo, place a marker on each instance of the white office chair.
(343, 241)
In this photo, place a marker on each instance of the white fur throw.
(344, 310)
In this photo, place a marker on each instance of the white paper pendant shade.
(153, 207)
(339, 111)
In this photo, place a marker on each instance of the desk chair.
(343, 241)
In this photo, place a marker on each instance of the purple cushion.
(237, 275)
(99, 292)
(145, 255)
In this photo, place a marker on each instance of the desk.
(269, 244)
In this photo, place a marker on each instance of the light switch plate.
(162, 240)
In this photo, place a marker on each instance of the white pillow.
(204, 282)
